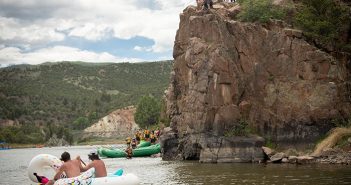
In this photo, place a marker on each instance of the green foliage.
(342, 122)
(322, 20)
(260, 11)
(24, 134)
(61, 93)
(81, 123)
(269, 143)
(147, 112)
(239, 129)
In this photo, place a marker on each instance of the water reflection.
(197, 173)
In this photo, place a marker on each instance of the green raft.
(143, 143)
(139, 152)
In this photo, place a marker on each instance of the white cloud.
(13, 32)
(12, 55)
(140, 48)
(33, 24)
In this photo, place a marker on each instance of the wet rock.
(268, 151)
(276, 158)
(169, 144)
(305, 159)
(232, 149)
(285, 160)
(335, 156)
(292, 159)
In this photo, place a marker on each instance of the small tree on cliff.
(324, 21)
(260, 11)
(147, 112)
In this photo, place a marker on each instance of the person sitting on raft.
(70, 167)
(128, 140)
(129, 152)
(152, 138)
(137, 137)
(96, 162)
(147, 135)
(134, 143)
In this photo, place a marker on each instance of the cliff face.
(227, 71)
(118, 124)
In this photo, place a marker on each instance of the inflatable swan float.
(40, 162)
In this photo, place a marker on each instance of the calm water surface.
(14, 163)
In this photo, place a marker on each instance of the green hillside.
(75, 94)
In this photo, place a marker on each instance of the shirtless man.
(70, 167)
(99, 165)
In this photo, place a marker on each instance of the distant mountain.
(76, 94)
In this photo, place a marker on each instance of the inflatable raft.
(138, 152)
(40, 163)
(143, 143)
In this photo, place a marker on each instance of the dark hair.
(65, 156)
(93, 156)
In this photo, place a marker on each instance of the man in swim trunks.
(96, 162)
(70, 167)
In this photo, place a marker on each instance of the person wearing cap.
(96, 162)
(70, 167)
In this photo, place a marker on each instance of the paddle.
(83, 162)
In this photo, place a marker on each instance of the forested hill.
(61, 93)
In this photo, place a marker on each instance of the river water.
(14, 163)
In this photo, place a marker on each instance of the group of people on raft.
(73, 167)
(146, 135)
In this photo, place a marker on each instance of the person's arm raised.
(80, 161)
(59, 172)
(87, 167)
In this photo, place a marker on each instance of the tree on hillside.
(147, 112)
(323, 21)
(81, 123)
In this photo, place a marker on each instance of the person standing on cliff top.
(199, 3)
(208, 4)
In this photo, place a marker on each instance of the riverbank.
(100, 141)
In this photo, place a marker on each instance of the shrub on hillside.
(147, 112)
(323, 21)
(260, 11)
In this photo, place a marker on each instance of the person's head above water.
(93, 155)
(65, 157)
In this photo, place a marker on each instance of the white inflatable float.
(40, 163)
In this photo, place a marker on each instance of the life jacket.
(128, 139)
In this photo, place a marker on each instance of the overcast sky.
(37, 31)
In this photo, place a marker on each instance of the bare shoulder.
(76, 161)
(63, 166)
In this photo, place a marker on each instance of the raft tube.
(139, 152)
(39, 163)
(143, 143)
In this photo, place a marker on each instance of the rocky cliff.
(267, 76)
(118, 124)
